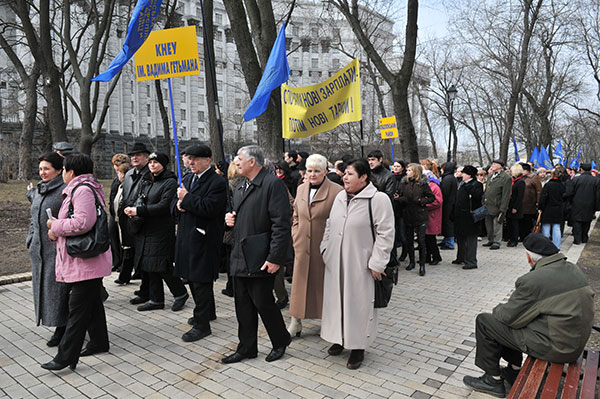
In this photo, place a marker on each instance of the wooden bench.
(544, 380)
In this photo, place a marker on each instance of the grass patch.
(15, 190)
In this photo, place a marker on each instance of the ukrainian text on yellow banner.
(318, 108)
(168, 53)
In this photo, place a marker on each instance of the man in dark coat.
(548, 316)
(585, 202)
(468, 198)
(531, 197)
(496, 198)
(384, 177)
(261, 221)
(449, 186)
(132, 184)
(200, 208)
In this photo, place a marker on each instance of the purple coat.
(69, 269)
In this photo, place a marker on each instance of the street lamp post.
(450, 96)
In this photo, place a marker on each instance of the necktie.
(194, 182)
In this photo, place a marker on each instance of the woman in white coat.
(353, 261)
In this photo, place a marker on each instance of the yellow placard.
(318, 108)
(168, 53)
(388, 128)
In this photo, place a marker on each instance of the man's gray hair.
(534, 256)
(253, 151)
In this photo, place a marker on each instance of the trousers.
(495, 340)
(580, 232)
(494, 229)
(156, 291)
(204, 300)
(467, 249)
(410, 244)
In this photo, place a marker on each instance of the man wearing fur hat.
(548, 316)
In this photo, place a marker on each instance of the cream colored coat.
(308, 226)
(349, 318)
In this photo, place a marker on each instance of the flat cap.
(537, 243)
(198, 150)
(499, 162)
(62, 146)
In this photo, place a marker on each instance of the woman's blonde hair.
(233, 170)
(516, 170)
(417, 170)
(317, 161)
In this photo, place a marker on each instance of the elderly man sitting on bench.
(549, 316)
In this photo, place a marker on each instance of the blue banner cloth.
(559, 152)
(575, 163)
(276, 72)
(534, 157)
(544, 159)
(144, 15)
(517, 159)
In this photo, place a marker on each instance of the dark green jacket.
(553, 307)
(497, 193)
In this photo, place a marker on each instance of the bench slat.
(590, 372)
(521, 379)
(534, 380)
(550, 390)
(572, 380)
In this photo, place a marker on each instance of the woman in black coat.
(399, 170)
(468, 198)
(155, 243)
(414, 194)
(551, 205)
(515, 205)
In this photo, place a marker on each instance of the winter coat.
(449, 186)
(516, 199)
(385, 179)
(551, 202)
(233, 183)
(414, 197)
(468, 198)
(349, 318)
(154, 244)
(50, 298)
(434, 223)
(552, 308)
(262, 210)
(72, 269)
(131, 191)
(308, 226)
(200, 228)
(585, 197)
(533, 189)
(497, 193)
(114, 187)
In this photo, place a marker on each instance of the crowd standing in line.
(330, 227)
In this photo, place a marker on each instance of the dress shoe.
(495, 246)
(277, 353)
(512, 244)
(435, 262)
(180, 302)
(509, 374)
(410, 266)
(335, 349)
(295, 328)
(195, 334)
(282, 303)
(445, 247)
(355, 359)
(136, 276)
(421, 270)
(486, 384)
(576, 242)
(488, 244)
(138, 300)
(227, 292)
(150, 306)
(55, 366)
(121, 282)
(236, 357)
(54, 341)
(89, 352)
(191, 321)
(469, 267)
(457, 262)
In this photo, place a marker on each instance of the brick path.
(424, 347)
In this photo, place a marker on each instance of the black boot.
(422, 269)
(410, 266)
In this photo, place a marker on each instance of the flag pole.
(175, 134)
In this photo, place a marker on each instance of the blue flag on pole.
(544, 159)
(276, 72)
(593, 165)
(517, 159)
(144, 15)
(575, 162)
(559, 152)
(534, 156)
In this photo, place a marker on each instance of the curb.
(15, 278)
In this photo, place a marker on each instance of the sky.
(433, 19)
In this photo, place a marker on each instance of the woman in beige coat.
(353, 261)
(311, 210)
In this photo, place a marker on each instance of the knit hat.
(537, 243)
(160, 157)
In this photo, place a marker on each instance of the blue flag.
(534, 157)
(575, 162)
(517, 159)
(144, 15)
(559, 152)
(544, 159)
(593, 165)
(276, 72)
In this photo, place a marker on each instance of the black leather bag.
(94, 242)
(479, 213)
(135, 223)
(384, 287)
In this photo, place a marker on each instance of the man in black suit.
(261, 221)
(200, 208)
(585, 202)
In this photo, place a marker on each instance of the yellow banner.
(318, 108)
(388, 127)
(168, 53)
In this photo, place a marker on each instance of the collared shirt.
(197, 177)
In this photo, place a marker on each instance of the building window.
(201, 132)
(336, 63)
(305, 45)
(288, 43)
(218, 35)
(296, 31)
(200, 116)
(336, 33)
(198, 11)
(183, 96)
(132, 107)
(148, 91)
(149, 129)
(148, 110)
(132, 86)
(113, 147)
(314, 63)
(218, 18)
(201, 100)
(219, 85)
(183, 131)
(314, 32)
(324, 46)
(202, 83)
(132, 127)
(218, 52)
(238, 103)
(183, 114)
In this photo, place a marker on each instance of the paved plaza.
(424, 347)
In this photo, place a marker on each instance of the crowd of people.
(331, 228)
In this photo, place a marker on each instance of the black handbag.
(384, 287)
(479, 213)
(94, 242)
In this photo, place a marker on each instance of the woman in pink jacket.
(83, 276)
(434, 225)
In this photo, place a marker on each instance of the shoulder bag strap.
(73, 192)
(371, 219)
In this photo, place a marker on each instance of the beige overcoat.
(349, 318)
(308, 226)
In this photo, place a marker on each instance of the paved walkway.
(424, 347)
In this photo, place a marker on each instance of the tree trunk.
(30, 115)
